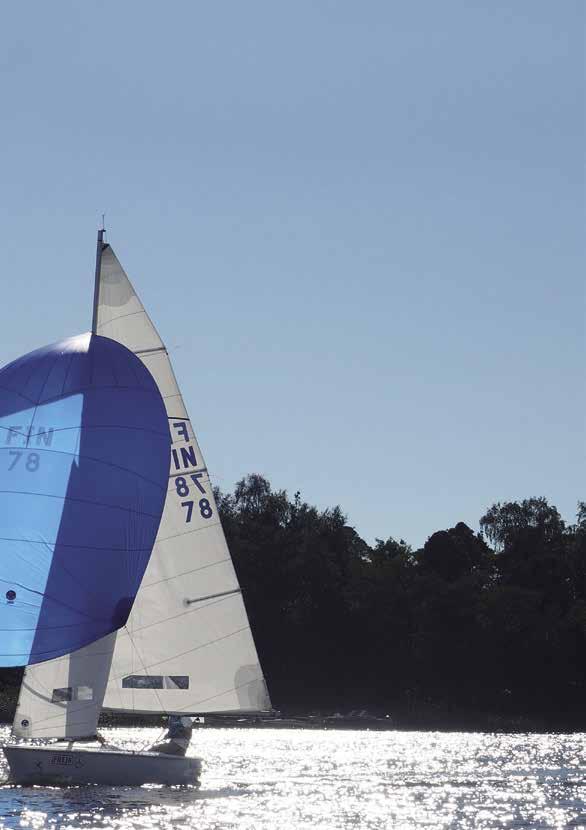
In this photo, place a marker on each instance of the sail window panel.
(62, 695)
(71, 693)
(145, 681)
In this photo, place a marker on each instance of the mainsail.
(187, 646)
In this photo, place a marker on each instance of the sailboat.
(120, 591)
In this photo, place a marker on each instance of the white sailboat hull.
(63, 766)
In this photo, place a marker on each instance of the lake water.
(306, 779)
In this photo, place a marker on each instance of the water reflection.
(311, 779)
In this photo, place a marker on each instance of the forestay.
(187, 646)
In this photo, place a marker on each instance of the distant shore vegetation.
(493, 621)
(473, 629)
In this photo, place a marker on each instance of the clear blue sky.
(358, 227)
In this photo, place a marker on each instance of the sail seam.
(189, 532)
(80, 501)
(36, 408)
(178, 616)
(232, 689)
(79, 389)
(69, 545)
(90, 426)
(120, 317)
(187, 573)
(97, 461)
(20, 395)
(189, 651)
(67, 373)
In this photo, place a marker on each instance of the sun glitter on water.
(270, 779)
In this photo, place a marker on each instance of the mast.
(99, 249)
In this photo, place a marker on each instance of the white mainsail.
(187, 646)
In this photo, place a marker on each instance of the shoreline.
(398, 716)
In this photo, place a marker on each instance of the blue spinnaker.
(84, 465)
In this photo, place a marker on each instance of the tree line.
(488, 621)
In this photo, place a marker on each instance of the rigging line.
(146, 671)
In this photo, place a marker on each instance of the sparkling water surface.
(309, 779)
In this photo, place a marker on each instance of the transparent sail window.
(155, 681)
(72, 693)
